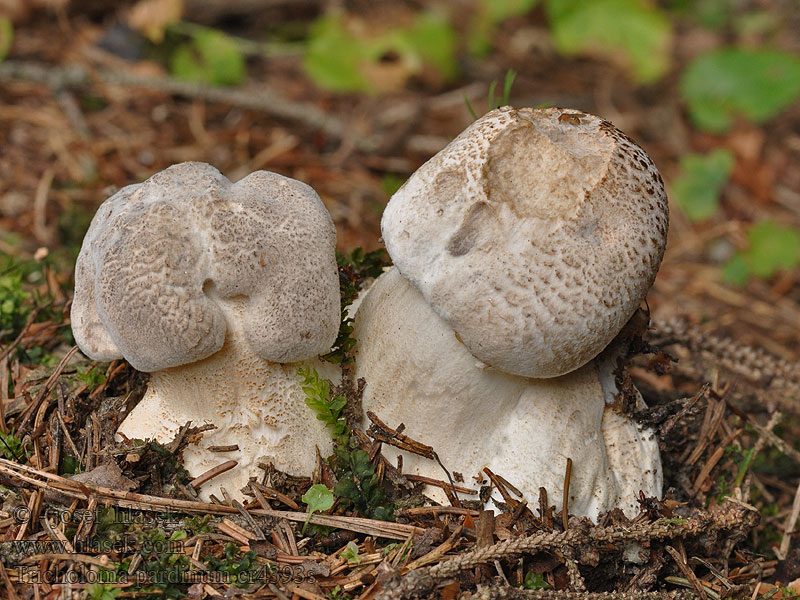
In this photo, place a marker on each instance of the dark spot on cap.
(466, 237)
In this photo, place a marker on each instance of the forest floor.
(84, 112)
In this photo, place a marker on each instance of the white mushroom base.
(255, 404)
(420, 374)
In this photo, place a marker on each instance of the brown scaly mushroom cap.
(535, 235)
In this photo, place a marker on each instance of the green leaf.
(346, 488)
(340, 60)
(501, 10)
(383, 513)
(178, 535)
(534, 581)
(318, 498)
(735, 271)
(6, 36)
(434, 40)
(489, 14)
(337, 403)
(713, 14)
(771, 248)
(754, 84)
(350, 553)
(212, 57)
(333, 57)
(634, 30)
(696, 190)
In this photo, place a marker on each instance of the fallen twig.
(261, 98)
(85, 491)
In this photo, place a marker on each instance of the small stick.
(289, 534)
(790, 524)
(439, 483)
(213, 472)
(707, 468)
(259, 533)
(283, 498)
(7, 582)
(544, 510)
(687, 572)
(239, 534)
(436, 510)
(83, 491)
(395, 437)
(33, 406)
(484, 535)
(565, 500)
(3, 392)
(260, 98)
(499, 483)
(67, 436)
(230, 448)
(381, 432)
(262, 502)
(7, 350)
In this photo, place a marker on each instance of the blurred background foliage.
(366, 91)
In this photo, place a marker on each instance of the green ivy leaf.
(755, 84)
(318, 498)
(634, 30)
(211, 57)
(696, 190)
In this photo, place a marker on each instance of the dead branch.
(260, 98)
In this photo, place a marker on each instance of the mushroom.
(521, 250)
(220, 291)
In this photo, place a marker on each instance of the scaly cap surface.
(158, 254)
(535, 234)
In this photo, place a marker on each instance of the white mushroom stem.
(419, 373)
(255, 404)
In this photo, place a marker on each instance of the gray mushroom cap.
(161, 258)
(535, 234)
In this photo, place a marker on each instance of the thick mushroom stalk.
(221, 291)
(420, 374)
(521, 251)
